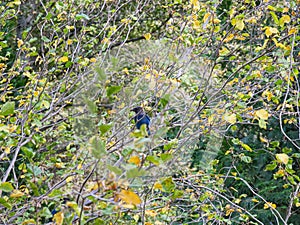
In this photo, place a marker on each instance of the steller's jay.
(141, 118)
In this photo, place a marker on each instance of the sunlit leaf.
(147, 36)
(282, 158)
(111, 90)
(63, 59)
(270, 31)
(130, 197)
(16, 194)
(262, 114)
(8, 108)
(135, 160)
(230, 118)
(58, 218)
(6, 187)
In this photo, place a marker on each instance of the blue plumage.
(141, 118)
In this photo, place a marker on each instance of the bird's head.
(137, 110)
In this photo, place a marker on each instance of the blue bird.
(141, 118)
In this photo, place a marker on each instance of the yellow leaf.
(246, 147)
(298, 204)
(16, 194)
(285, 19)
(135, 160)
(262, 139)
(269, 205)
(216, 21)
(130, 197)
(69, 41)
(30, 221)
(7, 150)
(151, 213)
(252, 20)
(74, 206)
(157, 186)
(195, 4)
(147, 36)
(229, 38)
(69, 179)
(59, 165)
(292, 31)
(271, 8)
(230, 118)
(126, 71)
(58, 218)
(254, 200)
(270, 30)
(20, 43)
(262, 114)
(239, 24)
(282, 158)
(63, 59)
(105, 41)
(93, 60)
(148, 223)
(280, 173)
(196, 24)
(224, 51)
(206, 18)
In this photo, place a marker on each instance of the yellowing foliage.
(147, 36)
(282, 158)
(58, 218)
(16, 194)
(262, 114)
(63, 59)
(135, 160)
(270, 31)
(130, 197)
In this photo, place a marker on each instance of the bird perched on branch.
(141, 118)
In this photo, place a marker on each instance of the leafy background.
(218, 78)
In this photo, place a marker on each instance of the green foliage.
(219, 80)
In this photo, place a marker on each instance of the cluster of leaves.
(218, 78)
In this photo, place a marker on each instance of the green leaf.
(101, 73)
(8, 108)
(275, 144)
(165, 100)
(246, 159)
(271, 166)
(45, 39)
(168, 184)
(135, 172)
(82, 16)
(177, 194)
(161, 132)
(114, 169)
(292, 180)
(28, 152)
(34, 189)
(92, 107)
(275, 18)
(166, 157)
(56, 193)
(246, 147)
(6, 187)
(154, 159)
(170, 144)
(111, 90)
(97, 147)
(5, 203)
(104, 128)
(262, 124)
